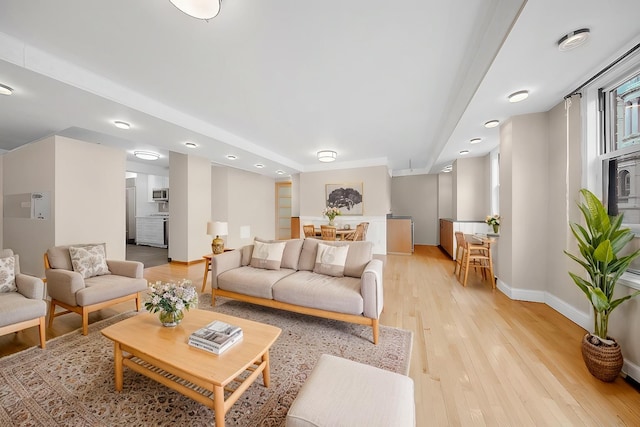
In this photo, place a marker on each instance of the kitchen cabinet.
(155, 181)
(400, 235)
(446, 236)
(151, 231)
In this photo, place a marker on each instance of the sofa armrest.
(30, 286)
(372, 290)
(62, 285)
(224, 262)
(133, 269)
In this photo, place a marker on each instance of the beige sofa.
(343, 283)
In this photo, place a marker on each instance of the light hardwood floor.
(478, 358)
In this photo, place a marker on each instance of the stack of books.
(216, 337)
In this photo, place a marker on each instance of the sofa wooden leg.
(376, 330)
(138, 296)
(213, 297)
(43, 333)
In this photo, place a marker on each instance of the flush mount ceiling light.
(573, 39)
(200, 9)
(518, 96)
(491, 124)
(121, 125)
(463, 152)
(475, 141)
(447, 168)
(327, 156)
(146, 155)
(259, 165)
(5, 90)
(231, 157)
(190, 144)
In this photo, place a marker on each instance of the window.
(619, 106)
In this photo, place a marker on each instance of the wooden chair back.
(364, 232)
(309, 230)
(358, 233)
(328, 232)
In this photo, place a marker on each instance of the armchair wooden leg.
(376, 330)
(85, 321)
(138, 305)
(43, 334)
(213, 297)
(52, 313)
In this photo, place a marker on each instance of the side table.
(207, 267)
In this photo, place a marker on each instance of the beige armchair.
(23, 307)
(81, 280)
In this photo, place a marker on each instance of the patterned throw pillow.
(267, 255)
(8, 274)
(330, 260)
(89, 260)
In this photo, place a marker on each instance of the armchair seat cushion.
(108, 287)
(15, 308)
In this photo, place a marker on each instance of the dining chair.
(328, 232)
(364, 232)
(309, 230)
(460, 248)
(357, 234)
(477, 255)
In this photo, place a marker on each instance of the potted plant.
(600, 242)
(493, 221)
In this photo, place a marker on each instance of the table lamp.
(217, 228)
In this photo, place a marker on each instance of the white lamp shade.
(201, 9)
(217, 228)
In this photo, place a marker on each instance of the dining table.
(340, 232)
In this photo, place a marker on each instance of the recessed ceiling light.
(121, 125)
(573, 39)
(231, 157)
(518, 96)
(463, 152)
(475, 141)
(190, 144)
(259, 165)
(327, 155)
(280, 172)
(146, 155)
(5, 90)
(199, 9)
(491, 124)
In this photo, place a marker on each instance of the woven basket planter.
(604, 362)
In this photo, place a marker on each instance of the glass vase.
(331, 222)
(496, 229)
(171, 318)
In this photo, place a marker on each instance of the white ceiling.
(406, 84)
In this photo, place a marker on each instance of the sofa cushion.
(308, 289)
(267, 255)
(89, 261)
(360, 253)
(8, 274)
(251, 281)
(330, 260)
(246, 252)
(291, 253)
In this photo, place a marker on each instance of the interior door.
(283, 210)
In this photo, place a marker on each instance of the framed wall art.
(346, 197)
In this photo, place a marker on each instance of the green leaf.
(604, 252)
(599, 300)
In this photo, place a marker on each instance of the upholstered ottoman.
(341, 392)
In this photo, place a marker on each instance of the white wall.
(471, 199)
(445, 196)
(189, 207)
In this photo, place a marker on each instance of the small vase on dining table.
(331, 222)
(496, 228)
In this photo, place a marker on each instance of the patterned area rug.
(71, 382)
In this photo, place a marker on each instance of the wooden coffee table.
(162, 354)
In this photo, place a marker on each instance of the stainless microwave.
(160, 195)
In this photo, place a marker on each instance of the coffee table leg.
(218, 405)
(117, 356)
(266, 375)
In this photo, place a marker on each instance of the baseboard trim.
(630, 369)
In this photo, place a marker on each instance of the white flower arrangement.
(171, 297)
(331, 212)
(493, 219)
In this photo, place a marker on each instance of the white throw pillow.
(89, 261)
(8, 274)
(330, 260)
(267, 255)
